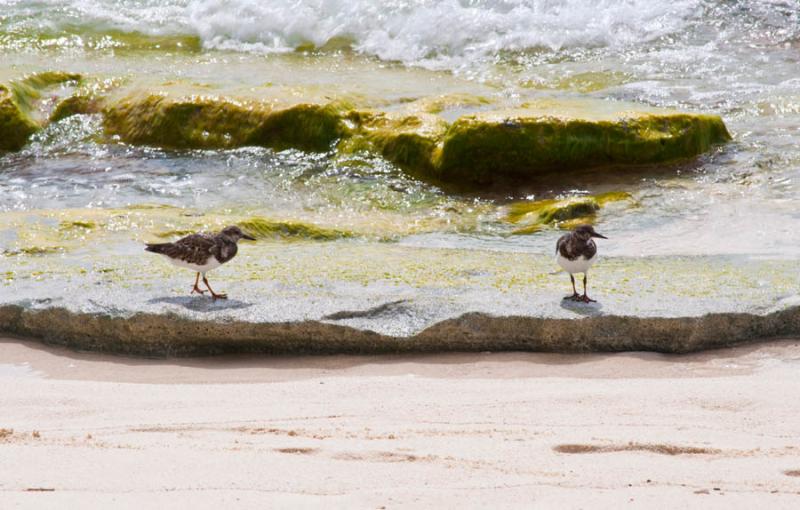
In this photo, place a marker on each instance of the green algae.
(562, 213)
(332, 45)
(480, 149)
(88, 98)
(137, 41)
(78, 224)
(16, 126)
(18, 102)
(110, 40)
(197, 122)
(475, 150)
(261, 228)
(45, 79)
(210, 122)
(29, 90)
(408, 141)
(304, 126)
(73, 105)
(34, 250)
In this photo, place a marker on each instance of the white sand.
(715, 430)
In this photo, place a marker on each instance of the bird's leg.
(213, 294)
(197, 289)
(585, 298)
(575, 294)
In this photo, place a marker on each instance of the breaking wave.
(439, 33)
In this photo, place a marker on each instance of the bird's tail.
(157, 247)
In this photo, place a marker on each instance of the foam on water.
(427, 31)
(438, 33)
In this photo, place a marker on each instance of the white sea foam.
(415, 31)
(440, 33)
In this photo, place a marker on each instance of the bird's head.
(234, 233)
(586, 232)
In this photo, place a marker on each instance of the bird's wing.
(561, 241)
(198, 241)
(195, 248)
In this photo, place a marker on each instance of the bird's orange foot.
(197, 290)
(216, 296)
(586, 299)
(574, 297)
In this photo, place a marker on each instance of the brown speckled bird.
(575, 253)
(202, 253)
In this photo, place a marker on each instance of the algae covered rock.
(478, 149)
(483, 148)
(18, 102)
(15, 125)
(518, 145)
(212, 122)
(87, 98)
(262, 228)
(565, 213)
(407, 140)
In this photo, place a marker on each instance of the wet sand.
(717, 429)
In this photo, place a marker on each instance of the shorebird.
(575, 253)
(202, 253)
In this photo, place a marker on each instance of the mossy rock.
(89, 98)
(16, 126)
(261, 228)
(562, 213)
(17, 106)
(476, 150)
(491, 147)
(480, 149)
(29, 90)
(210, 122)
(73, 105)
(409, 141)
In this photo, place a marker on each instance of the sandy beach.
(718, 429)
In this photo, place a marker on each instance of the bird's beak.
(249, 238)
(601, 236)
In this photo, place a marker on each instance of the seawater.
(738, 59)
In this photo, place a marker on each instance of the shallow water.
(734, 58)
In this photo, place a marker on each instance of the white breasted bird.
(575, 253)
(202, 253)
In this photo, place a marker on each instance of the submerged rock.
(480, 147)
(407, 140)
(261, 228)
(477, 149)
(15, 125)
(18, 106)
(86, 99)
(211, 122)
(483, 148)
(564, 213)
